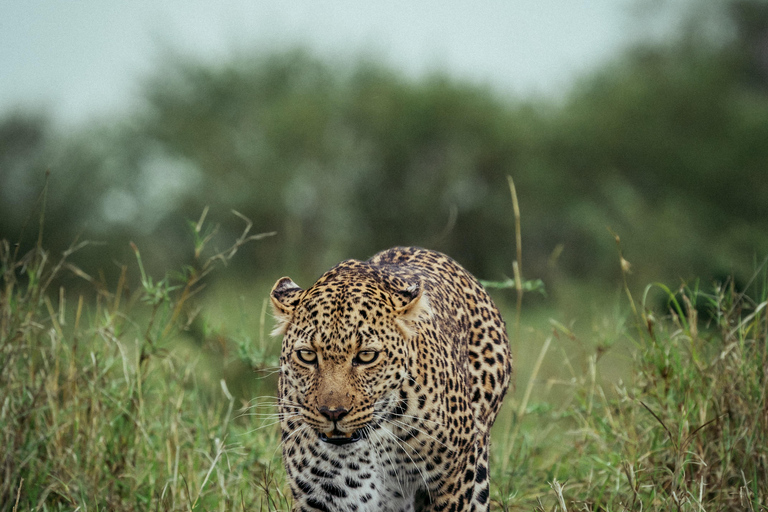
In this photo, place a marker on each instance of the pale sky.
(81, 59)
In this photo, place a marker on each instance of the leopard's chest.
(378, 473)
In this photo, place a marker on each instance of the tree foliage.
(664, 146)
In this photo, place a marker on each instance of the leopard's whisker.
(405, 426)
(436, 423)
(261, 428)
(397, 475)
(293, 437)
(400, 443)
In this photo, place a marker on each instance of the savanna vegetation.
(135, 368)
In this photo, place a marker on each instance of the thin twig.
(517, 265)
(18, 495)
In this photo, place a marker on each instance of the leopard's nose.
(333, 414)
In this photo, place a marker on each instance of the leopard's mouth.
(338, 438)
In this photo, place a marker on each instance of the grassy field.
(115, 397)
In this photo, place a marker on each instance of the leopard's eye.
(307, 356)
(366, 357)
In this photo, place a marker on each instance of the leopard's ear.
(415, 309)
(285, 296)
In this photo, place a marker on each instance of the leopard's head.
(345, 347)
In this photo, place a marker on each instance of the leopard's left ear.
(285, 297)
(415, 309)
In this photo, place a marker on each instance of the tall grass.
(687, 431)
(101, 406)
(104, 406)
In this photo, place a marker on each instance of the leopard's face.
(345, 353)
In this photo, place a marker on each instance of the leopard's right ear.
(285, 296)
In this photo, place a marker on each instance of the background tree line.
(666, 146)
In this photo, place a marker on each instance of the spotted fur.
(392, 372)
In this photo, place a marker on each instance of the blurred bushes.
(665, 146)
(341, 161)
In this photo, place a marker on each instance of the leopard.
(392, 372)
